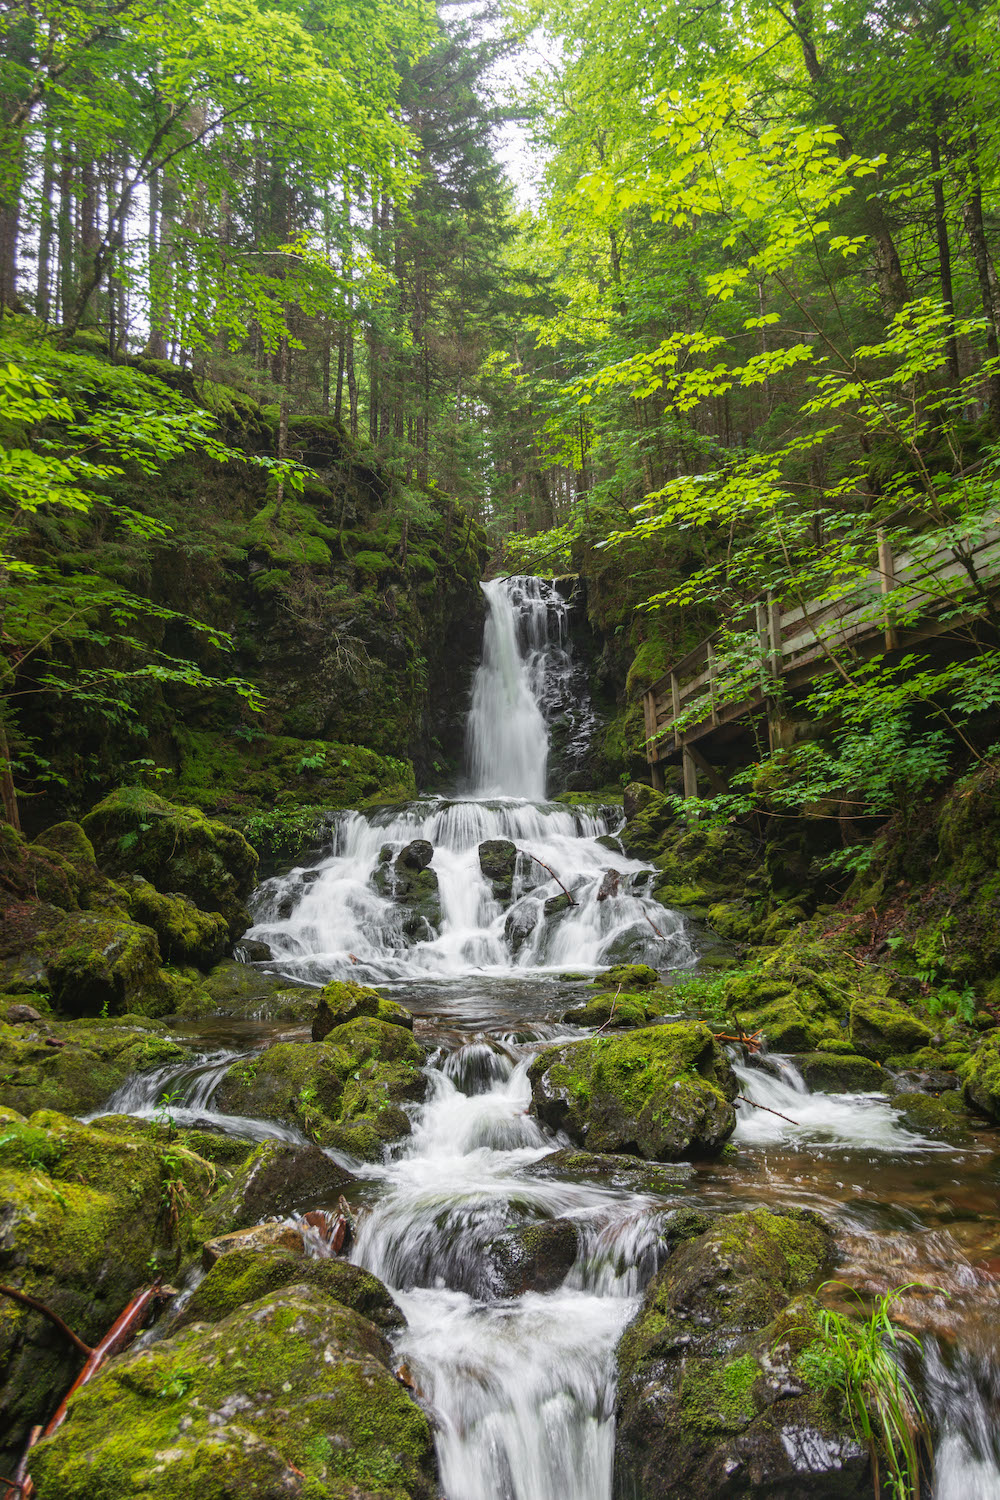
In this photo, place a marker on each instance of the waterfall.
(507, 741)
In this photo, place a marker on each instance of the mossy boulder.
(619, 1012)
(342, 1001)
(240, 989)
(272, 1178)
(841, 1073)
(981, 1076)
(135, 832)
(85, 1215)
(532, 1257)
(882, 1027)
(662, 1092)
(185, 934)
(629, 977)
(245, 1275)
(938, 1115)
(414, 887)
(29, 874)
(498, 861)
(101, 963)
(801, 994)
(292, 1395)
(346, 1092)
(711, 1399)
(74, 1066)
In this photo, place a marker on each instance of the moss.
(620, 1011)
(243, 1276)
(311, 1384)
(881, 1026)
(629, 977)
(92, 1058)
(185, 934)
(660, 1092)
(841, 1073)
(981, 1076)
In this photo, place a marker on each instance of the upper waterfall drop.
(507, 737)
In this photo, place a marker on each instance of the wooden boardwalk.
(928, 591)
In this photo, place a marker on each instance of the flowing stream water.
(523, 1386)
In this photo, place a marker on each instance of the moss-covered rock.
(74, 1066)
(619, 1011)
(841, 1073)
(245, 1275)
(882, 1027)
(346, 1092)
(85, 1214)
(270, 1179)
(532, 1257)
(243, 990)
(28, 874)
(176, 848)
(342, 1001)
(292, 1395)
(982, 1078)
(711, 1401)
(662, 1092)
(942, 1115)
(414, 886)
(498, 861)
(630, 977)
(185, 934)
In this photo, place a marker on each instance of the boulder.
(615, 1171)
(662, 1092)
(185, 934)
(629, 976)
(882, 1027)
(74, 1066)
(982, 1078)
(246, 1273)
(841, 1073)
(274, 1179)
(343, 1001)
(498, 861)
(346, 1092)
(276, 1235)
(292, 1395)
(712, 1398)
(520, 924)
(532, 1257)
(413, 886)
(615, 1011)
(239, 989)
(135, 832)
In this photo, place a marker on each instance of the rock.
(556, 905)
(415, 888)
(520, 924)
(185, 934)
(618, 1171)
(256, 994)
(662, 1092)
(609, 885)
(252, 951)
(629, 976)
(94, 1058)
(619, 1012)
(612, 842)
(635, 797)
(99, 963)
(176, 848)
(274, 1179)
(343, 1001)
(277, 1235)
(881, 1027)
(711, 1399)
(944, 1117)
(346, 1092)
(85, 1216)
(244, 1274)
(415, 856)
(498, 861)
(18, 1013)
(293, 1384)
(840, 1073)
(533, 1257)
(982, 1078)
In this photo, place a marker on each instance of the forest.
(499, 749)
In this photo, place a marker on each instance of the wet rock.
(252, 951)
(520, 924)
(841, 1073)
(346, 1092)
(292, 1384)
(274, 1179)
(177, 849)
(415, 889)
(945, 1116)
(343, 1001)
(498, 861)
(185, 934)
(610, 841)
(609, 885)
(556, 905)
(629, 976)
(16, 1014)
(92, 1058)
(661, 1092)
(83, 1223)
(982, 1078)
(619, 1012)
(533, 1257)
(245, 1274)
(712, 1401)
(636, 796)
(415, 856)
(881, 1026)
(619, 1171)
(278, 1235)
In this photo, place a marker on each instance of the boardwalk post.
(711, 682)
(675, 694)
(887, 581)
(690, 773)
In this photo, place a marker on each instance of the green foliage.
(861, 1359)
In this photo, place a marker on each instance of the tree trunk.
(989, 288)
(944, 255)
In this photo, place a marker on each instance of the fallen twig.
(611, 1013)
(552, 872)
(10, 1291)
(744, 1100)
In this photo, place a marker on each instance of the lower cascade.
(519, 1260)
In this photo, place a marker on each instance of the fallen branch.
(118, 1337)
(753, 1103)
(750, 1040)
(552, 872)
(611, 1012)
(10, 1291)
(652, 924)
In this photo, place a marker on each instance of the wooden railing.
(794, 645)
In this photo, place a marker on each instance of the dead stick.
(552, 872)
(10, 1291)
(652, 924)
(610, 1013)
(743, 1098)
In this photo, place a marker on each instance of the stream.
(523, 1387)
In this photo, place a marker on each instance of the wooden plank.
(649, 713)
(675, 695)
(717, 780)
(690, 772)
